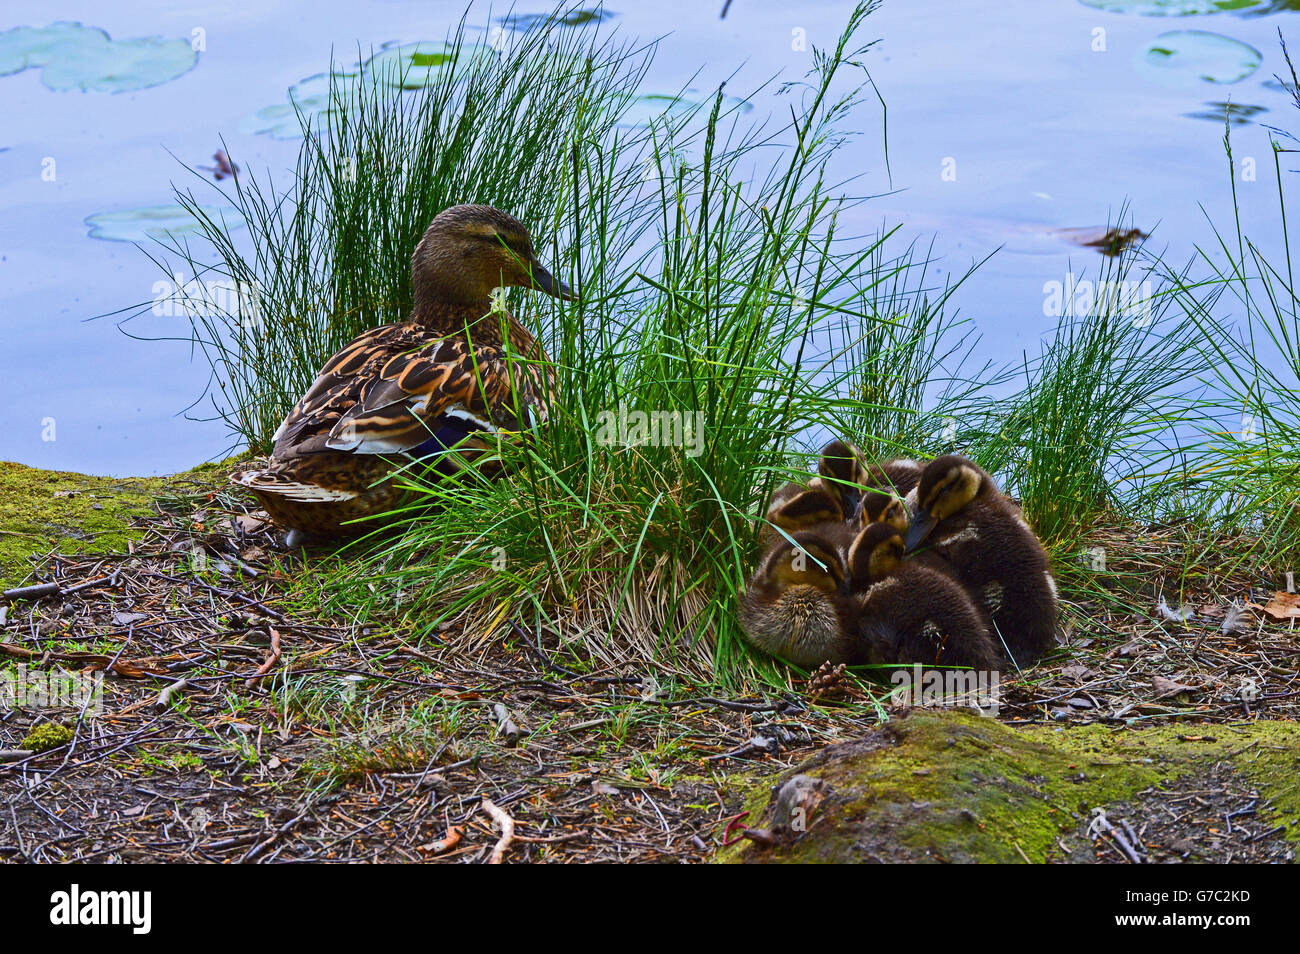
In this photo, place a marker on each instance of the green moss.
(41, 510)
(955, 786)
(48, 735)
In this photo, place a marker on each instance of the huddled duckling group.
(899, 562)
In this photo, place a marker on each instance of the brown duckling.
(844, 468)
(793, 605)
(904, 612)
(961, 516)
(796, 507)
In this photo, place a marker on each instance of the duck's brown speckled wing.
(393, 389)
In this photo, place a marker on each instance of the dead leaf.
(1164, 688)
(1131, 648)
(1283, 606)
(1076, 671)
(127, 619)
(249, 523)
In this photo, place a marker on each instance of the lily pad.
(523, 22)
(404, 66)
(155, 222)
(1172, 8)
(648, 107)
(1238, 114)
(412, 65)
(1180, 57)
(280, 121)
(72, 56)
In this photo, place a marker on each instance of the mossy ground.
(44, 510)
(957, 787)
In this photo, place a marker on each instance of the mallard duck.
(793, 605)
(903, 612)
(961, 516)
(411, 391)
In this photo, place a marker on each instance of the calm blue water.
(1041, 130)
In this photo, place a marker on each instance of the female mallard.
(455, 372)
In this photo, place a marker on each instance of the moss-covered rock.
(41, 510)
(958, 787)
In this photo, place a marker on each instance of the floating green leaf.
(647, 107)
(155, 222)
(1180, 57)
(280, 121)
(1172, 8)
(411, 65)
(72, 56)
(571, 18)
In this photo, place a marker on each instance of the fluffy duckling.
(904, 612)
(961, 516)
(844, 468)
(793, 605)
(796, 507)
(412, 391)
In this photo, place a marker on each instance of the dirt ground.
(234, 727)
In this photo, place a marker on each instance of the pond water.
(1009, 120)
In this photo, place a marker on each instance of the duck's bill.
(921, 526)
(545, 281)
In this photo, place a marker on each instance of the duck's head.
(811, 560)
(876, 552)
(948, 484)
(467, 251)
(841, 463)
(805, 510)
(882, 506)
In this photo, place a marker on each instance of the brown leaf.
(1076, 671)
(1164, 688)
(1283, 606)
(249, 523)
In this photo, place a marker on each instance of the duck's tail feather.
(266, 481)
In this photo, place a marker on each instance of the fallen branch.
(272, 658)
(38, 592)
(169, 690)
(507, 826)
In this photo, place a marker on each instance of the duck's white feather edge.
(293, 490)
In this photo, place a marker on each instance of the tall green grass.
(717, 287)
(330, 252)
(1253, 354)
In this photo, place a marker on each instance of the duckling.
(793, 605)
(965, 519)
(883, 506)
(412, 391)
(843, 466)
(843, 471)
(904, 612)
(795, 507)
